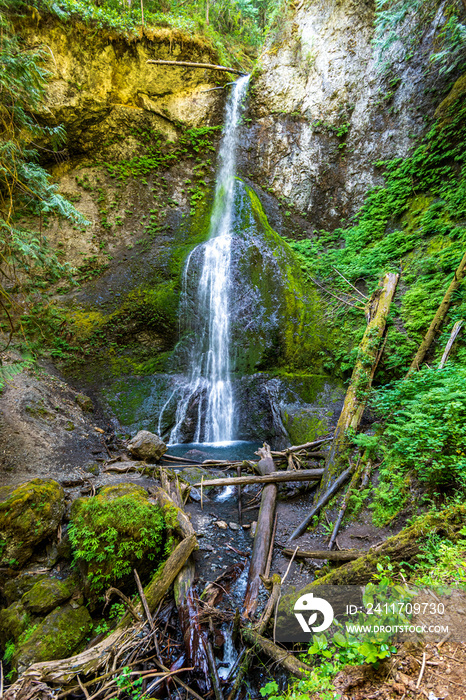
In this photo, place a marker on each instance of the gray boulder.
(147, 446)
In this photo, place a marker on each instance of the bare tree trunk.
(454, 334)
(377, 310)
(439, 317)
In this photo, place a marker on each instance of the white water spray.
(208, 394)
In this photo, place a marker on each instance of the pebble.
(234, 526)
(221, 524)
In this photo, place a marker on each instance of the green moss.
(56, 637)
(13, 621)
(28, 514)
(46, 595)
(115, 531)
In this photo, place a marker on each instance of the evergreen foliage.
(25, 187)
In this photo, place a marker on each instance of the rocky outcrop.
(28, 515)
(101, 87)
(324, 112)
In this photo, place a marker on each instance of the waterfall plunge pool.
(233, 451)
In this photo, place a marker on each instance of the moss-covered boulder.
(15, 588)
(147, 446)
(56, 637)
(13, 622)
(194, 475)
(28, 514)
(46, 595)
(114, 532)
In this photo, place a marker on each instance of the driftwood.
(272, 478)
(439, 317)
(454, 333)
(377, 310)
(342, 555)
(262, 538)
(321, 503)
(188, 64)
(62, 672)
(282, 656)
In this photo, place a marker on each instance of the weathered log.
(275, 583)
(260, 551)
(213, 672)
(341, 555)
(321, 503)
(89, 661)
(377, 311)
(194, 637)
(400, 548)
(188, 64)
(271, 478)
(454, 333)
(165, 501)
(344, 505)
(282, 656)
(439, 317)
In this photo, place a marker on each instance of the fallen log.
(188, 64)
(271, 478)
(298, 448)
(377, 310)
(344, 505)
(400, 548)
(63, 671)
(282, 656)
(164, 500)
(439, 317)
(454, 333)
(262, 538)
(341, 555)
(321, 503)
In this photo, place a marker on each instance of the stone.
(56, 637)
(84, 402)
(15, 588)
(46, 595)
(221, 524)
(13, 622)
(28, 515)
(233, 526)
(147, 446)
(252, 530)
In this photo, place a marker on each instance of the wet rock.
(194, 475)
(84, 402)
(147, 446)
(28, 514)
(196, 455)
(221, 524)
(46, 595)
(13, 622)
(234, 526)
(56, 637)
(93, 469)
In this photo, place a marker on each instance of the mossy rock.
(114, 532)
(13, 622)
(84, 403)
(15, 588)
(56, 637)
(194, 475)
(46, 595)
(28, 514)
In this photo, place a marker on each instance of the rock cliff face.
(101, 87)
(323, 112)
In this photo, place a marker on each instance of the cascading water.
(208, 391)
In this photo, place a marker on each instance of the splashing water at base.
(208, 395)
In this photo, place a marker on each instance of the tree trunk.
(377, 310)
(454, 333)
(282, 656)
(439, 317)
(262, 537)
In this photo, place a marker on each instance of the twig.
(353, 306)
(131, 609)
(445, 639)
(144, 600)
(351, 285)
(421, 673)
(86, 693)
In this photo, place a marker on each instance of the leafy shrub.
(112, 536)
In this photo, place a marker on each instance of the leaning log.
(377, 310)
(454, 333)
(188, 64)
(321, 503)
(404, 547)
(282, 656)
(262, 538)
(62, 672)
(183, 523)
(273, 478)
(333, 555)
(439, 317)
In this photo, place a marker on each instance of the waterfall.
(206, 400)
